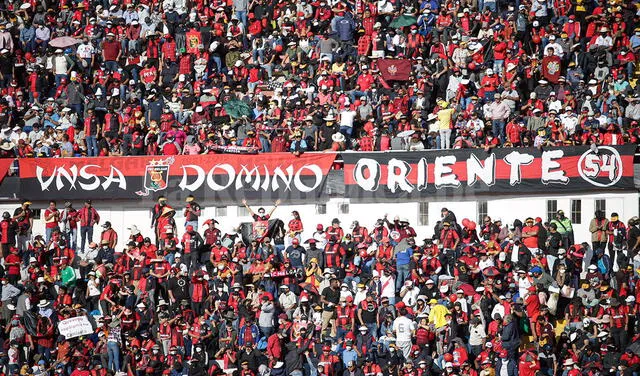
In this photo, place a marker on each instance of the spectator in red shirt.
(12, 266)
(88, 217)
(111, 50)
(51, 219)
(8, 231)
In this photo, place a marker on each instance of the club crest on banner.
(156, 176)
(393, 70)
(259, 229)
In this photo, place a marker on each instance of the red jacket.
(528, 368)
(88, 216)
(274, 347)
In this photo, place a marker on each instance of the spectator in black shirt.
(554, 240)
(633, 240)
(330, 298)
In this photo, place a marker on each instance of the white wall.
(123, 215)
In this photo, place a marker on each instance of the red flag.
(194, 39)
(395, 69)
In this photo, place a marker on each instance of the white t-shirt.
(85, 51)
(346, 118)
(569, 122)
(411, 297)
(93, 287)
(403, 327)
(388, 286)
(60, 65)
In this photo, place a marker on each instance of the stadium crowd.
(81, 78)
(488, 298)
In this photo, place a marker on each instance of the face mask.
(198, 349)
(343, 304)
(155, 351)
(392, 350)
(349, 348)
(414, 31)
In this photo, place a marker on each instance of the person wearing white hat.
(498, 112)
(338, 138)
(43, 305)
(111, 51)
(60, 64)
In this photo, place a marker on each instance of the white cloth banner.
(75, 327)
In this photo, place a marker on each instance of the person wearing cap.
(87, 217)
(295, 229)
(345, 317)
(403, 258)
(445, 114)
(191, 243)
(328, 360)
(69, 224)
(156, 213)
(498, 112)
(616, 234)
(12, 262)
(192, 212)
(449, 239)
(287, 299)
(295, 254)
(109, 235)
(8, 232)
(598, 229)
(330, 298)
(334, 252)
(409, 292)
(593, 277)
(23, 216)
(111, 52)
(51, 219)
(61, 65)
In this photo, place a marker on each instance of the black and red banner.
(466, 172)
(222, 178)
